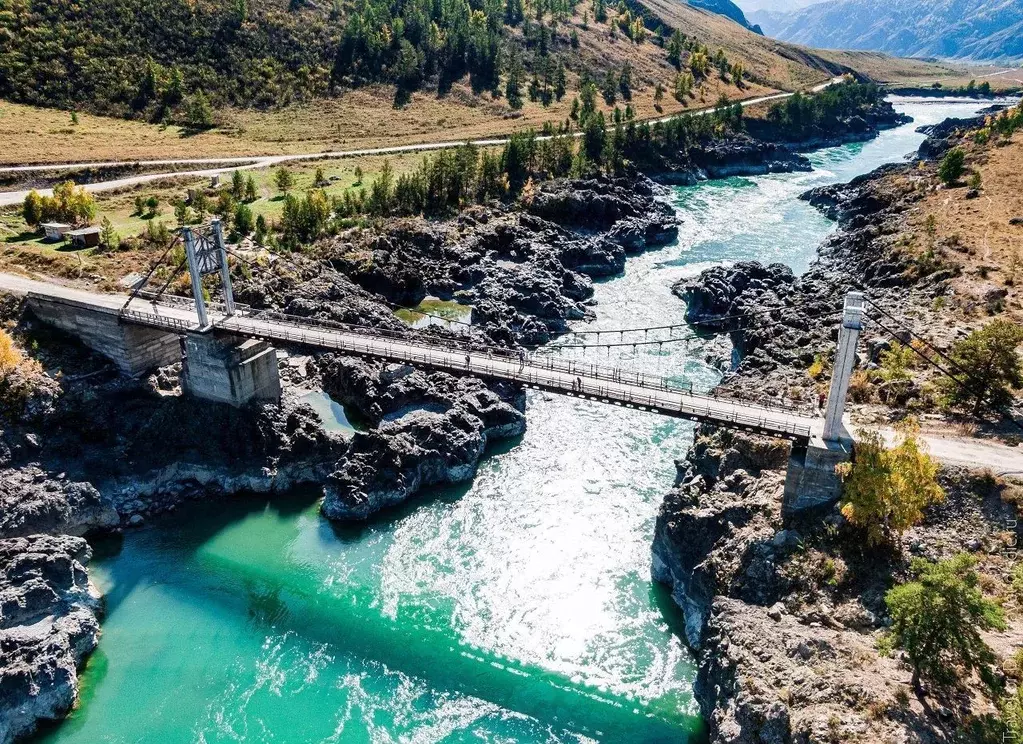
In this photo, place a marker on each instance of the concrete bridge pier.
(230, 369)
(811, 480)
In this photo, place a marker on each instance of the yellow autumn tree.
(10, 356)
(885, 490)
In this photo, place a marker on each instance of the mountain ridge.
(977, 30)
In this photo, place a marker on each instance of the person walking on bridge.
(522, 359)
(467, 361)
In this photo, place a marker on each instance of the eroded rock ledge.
(48, 624)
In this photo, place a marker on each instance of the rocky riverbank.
(784, 615)
(48, 625)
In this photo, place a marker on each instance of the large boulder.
(33, 502)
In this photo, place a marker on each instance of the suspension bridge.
(227, 356)
(539, 371)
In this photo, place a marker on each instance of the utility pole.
(845, 360)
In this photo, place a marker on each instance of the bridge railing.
(158, 321)
(419, 348)
(507, 364)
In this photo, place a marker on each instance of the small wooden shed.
(55, 231)
(86, 237)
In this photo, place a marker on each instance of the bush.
(896, 363)
(937, 619)
(19, 377)
(886, 490)
(952, 167)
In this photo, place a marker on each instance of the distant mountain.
(726, 8)
(990, 30)
(779, 6)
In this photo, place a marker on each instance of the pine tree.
(107, 235)
(200, 113)
(987, 368)
(560, 82)
(251, 193)
(937, 621)
(284, 180)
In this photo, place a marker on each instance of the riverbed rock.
(429, 429)
(48, 625)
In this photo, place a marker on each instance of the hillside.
(296, 101)
(990, 30)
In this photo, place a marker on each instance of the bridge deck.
(537, 371)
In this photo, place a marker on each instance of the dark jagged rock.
(32, 502)
(943, 136)
(526, 272)
(717, 493)
(47, 627)
(430, 429)
(722, 296)
(743, 155)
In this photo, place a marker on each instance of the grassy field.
(21, 249)
(977, 231)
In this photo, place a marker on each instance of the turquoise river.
(515, 609)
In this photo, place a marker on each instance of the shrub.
(817, 369)
(860, 388)
(990, 369)
(896, 363)
(937, 620)
(886, 490)
(19, 376)
(952, 167)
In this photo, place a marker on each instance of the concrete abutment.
(216, 367)
(133, 349)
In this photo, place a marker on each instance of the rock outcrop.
(47, 626)
(33, 502)
(430, 429)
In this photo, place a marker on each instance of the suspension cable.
(149, 274)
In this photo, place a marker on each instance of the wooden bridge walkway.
(539, 371)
